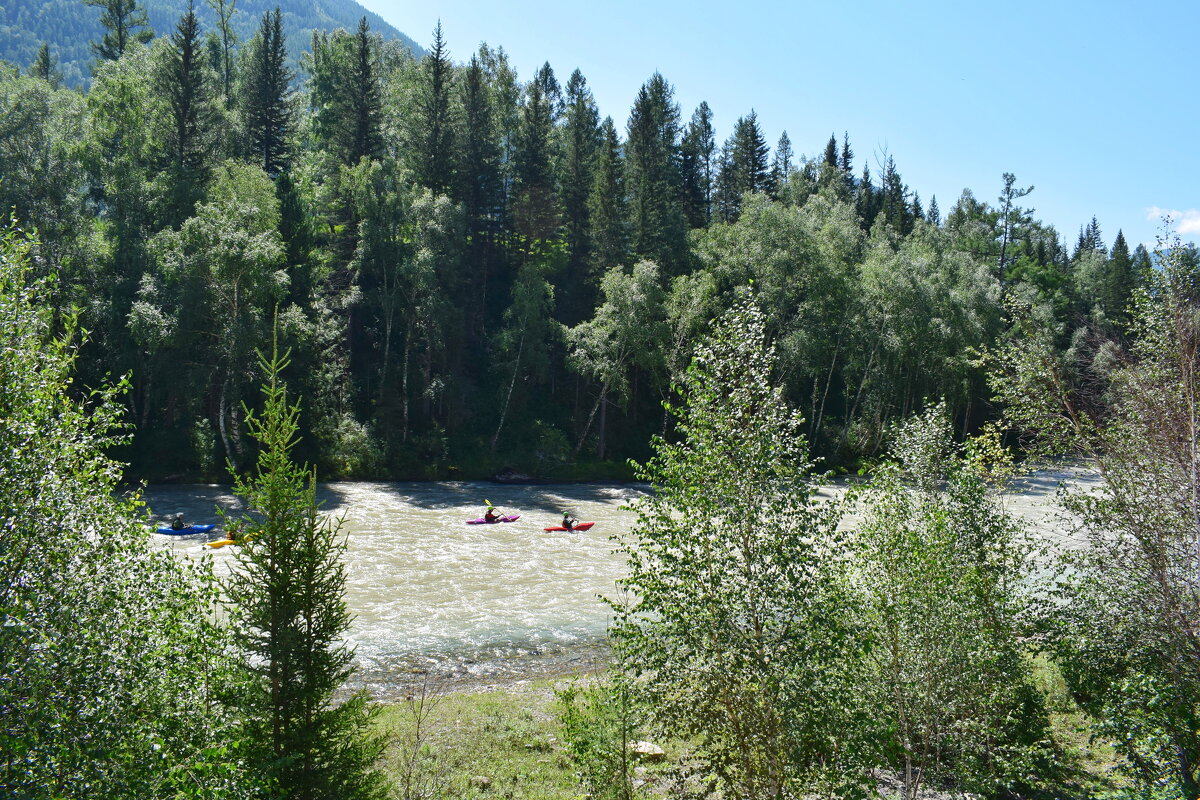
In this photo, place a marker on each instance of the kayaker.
(568, 521)
(177, 523)
(492, 514)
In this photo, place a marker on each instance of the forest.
(478, 272)
(217, 266)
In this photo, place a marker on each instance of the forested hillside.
(477, 270)
(70, 26)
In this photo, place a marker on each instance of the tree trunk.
(508, 395)
(587, 428)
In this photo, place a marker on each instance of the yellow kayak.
(221, 543)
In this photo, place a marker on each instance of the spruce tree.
(831, 152)
(432, 126)
(290, 615)
(580, 142)
(658, 228)
(934, 214)
(535, 204)
(482, 192)
(744, 166)
(1120, 280)
(43, 67)
(697, 152)
(124, 23)
(266, 103)
(607, 208)
(781, 165)
(366, 98)
(189, 142)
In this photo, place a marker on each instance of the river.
(489, 603)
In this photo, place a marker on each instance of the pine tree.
(781, 166)
(291, 618)
(1120, 280)
(607, 208)
(934, 215)
(481, 191)
(831, 152)
(847, 161)
(580, 142)
(658, 227)
(744, 166)
(1012, 217)
(43, 67)
(433, 125)
(266, 104)
(894, 207)
(188, 89)
(697, 152)
(366, 98)
(866, 199)
(536, 200)
(917, 211)
(122, 20)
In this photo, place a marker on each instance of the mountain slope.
(70, 27)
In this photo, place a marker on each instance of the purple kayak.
(506, 518)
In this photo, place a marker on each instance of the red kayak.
(483, 521)
(578, 526)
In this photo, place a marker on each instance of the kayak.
(578, 526)
(506, 518)
(188, 531)
(220, 543)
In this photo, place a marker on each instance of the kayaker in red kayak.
(568, 522)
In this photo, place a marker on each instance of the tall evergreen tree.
(124, 23)
(781, 164)
(291, 618)
(366, 95)
(1120, 280)
(188, 88)
(347, 95)
(866, 199)
(1012, 218)
(482, 192)
(658, 228)
(43, 67)
(607, 207)
(266, 103)
(433, 127)
(847, 159)
(697, 158)
(831, 152)
(894, 206)
(580, 142)
(744, 166)
(934, 214)
(536, 201)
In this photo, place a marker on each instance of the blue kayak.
(190, 529)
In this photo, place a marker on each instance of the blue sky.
(1094, 104)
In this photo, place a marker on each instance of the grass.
(507, 743)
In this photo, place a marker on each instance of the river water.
(487, 603)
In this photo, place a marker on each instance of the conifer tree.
(1120, 280)
(606, 205)
(866, 199)
(366, 97)
(1012, 217)
(831, 152)
(347, 97)
(781, 165)
(658, 228)
(266, 105)
(190, 138)
(847, 160)
(291, 618)
(535, 196)
(43, 67)
(481, 189)
(744, 166)
(580, 142)
(934, 214)
(432, 126)
(697, 153)
(124, 23)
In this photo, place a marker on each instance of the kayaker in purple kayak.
(492, 514)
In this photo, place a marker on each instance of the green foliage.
(738, 630)
(108, 656)
(599, 723)
(290, 618)
(1123, 613)
(940, 568)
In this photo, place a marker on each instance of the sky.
(1093, 104)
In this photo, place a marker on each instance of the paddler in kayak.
(492, 514)
(568, 521)
(177, 523)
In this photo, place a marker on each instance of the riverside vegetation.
(775, 652)
(459, 263)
